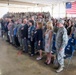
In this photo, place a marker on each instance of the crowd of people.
(37, 33)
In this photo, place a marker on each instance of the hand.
(12, 35)
(47, 46)
(38, 44)
(70, 35)
(61, 49)
(25, 38)
(22, 28)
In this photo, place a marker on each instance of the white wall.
(56, 10)
(3, 10)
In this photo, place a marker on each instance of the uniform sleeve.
(64, 39)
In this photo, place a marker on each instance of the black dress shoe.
(45, 63)
(32, 55)
(56, 67)
(25, 51)
(7, 40)
(37, 53)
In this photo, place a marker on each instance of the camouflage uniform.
(61, 42)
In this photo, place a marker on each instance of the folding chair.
(69, 51)
(72, 41)
(75, 45)
(53, 48)
(53, 44)
(72, 35)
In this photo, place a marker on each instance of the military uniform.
(61, 42)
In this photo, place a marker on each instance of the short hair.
(50, 25)
(31, 21)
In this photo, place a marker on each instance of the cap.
(61, 21)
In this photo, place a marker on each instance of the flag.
(68, 5)
(71, 7)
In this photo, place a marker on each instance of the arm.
(50, 37)
(64, 40)
(71, 31)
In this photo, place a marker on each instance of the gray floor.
(13, 64)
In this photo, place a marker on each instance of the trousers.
(60, 57)
(25, 44)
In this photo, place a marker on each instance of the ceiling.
(43, 1)
(35, 2)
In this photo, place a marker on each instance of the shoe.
(48, 63)
(7, 40)
(12, 44)
(31, 55)
(52, 60)
(37, 53)
(20, 48)
(59, 70)
(23, 51)
(45, 63)
(56, 67)
(39, 58)
(19, 53)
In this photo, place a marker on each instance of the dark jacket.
(39, 35)
(24, 31)
(32, 31)
(69, 29)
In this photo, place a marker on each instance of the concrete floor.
(13, 64)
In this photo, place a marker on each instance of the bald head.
(24, 21)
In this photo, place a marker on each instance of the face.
(69, 22)
(30, 23)
(6, 19)
(19, 21)
(32, 17)
(58, 25)
(16, 22)
(25, 21)
(9, 20)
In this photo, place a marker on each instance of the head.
(16, 22)
(65, 22)
(31, 22)
(39, 25)
(24, 21)
(6, 19)
(50, 25)
(9, 19)
(32, 18)
(60, 23)
(69, 22)
(19, 21)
